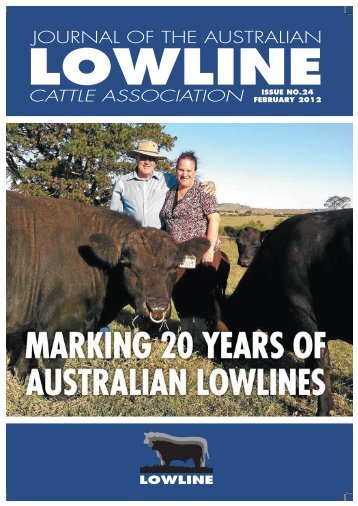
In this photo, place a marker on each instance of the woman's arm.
(212, 235)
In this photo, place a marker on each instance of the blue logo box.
(179, 61)
(276, 462)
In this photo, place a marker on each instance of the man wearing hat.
(141, 193)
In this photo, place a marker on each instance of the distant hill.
(248, 210)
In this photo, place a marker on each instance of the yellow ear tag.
(189, 262)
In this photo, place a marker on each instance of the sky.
(271, 165)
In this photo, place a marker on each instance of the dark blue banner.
(276, 462)
(179, 61)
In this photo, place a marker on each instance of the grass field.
(19, 404)
(268, 221)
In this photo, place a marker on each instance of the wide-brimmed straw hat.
(149, 148)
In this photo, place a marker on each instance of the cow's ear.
(105, 248)
(196, 247)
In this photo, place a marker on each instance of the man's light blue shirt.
(142, 198)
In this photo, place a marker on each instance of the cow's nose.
(244, 262)
(157, 310)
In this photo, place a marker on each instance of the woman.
(189, 212)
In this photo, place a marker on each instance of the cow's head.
(248, 241)
(148, 438)
(150, 259)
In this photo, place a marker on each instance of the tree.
(336, 202)
(76, 161)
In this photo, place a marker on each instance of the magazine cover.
(179, 252)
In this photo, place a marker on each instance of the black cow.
(197, 294)
(72, 267)
(300, 280)
(222, 275)
(248, 241)
(171, 451)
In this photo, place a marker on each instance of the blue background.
(335, 61)
(250, 461)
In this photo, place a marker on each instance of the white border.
(179, 3)
(151, 420)
(179, 119)
(311, 460)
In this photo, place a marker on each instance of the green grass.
(261, 221)
(19, 404)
